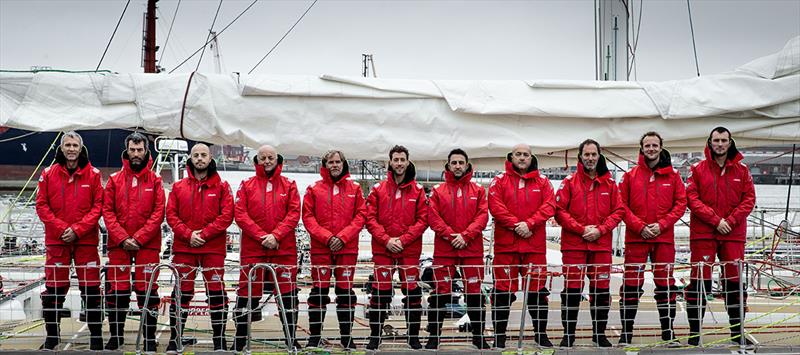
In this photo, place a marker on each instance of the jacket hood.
(411, 174)
(212, 177)
(664, 161)
(83, 157)
(733, 154)
(602, 169)
(126, 162)
(533, 170)
(275, 172)
(326, 175)
(449, 177)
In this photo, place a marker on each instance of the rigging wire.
(169, 32)
(112, 35)
(694, 45)
(218, 34)
(636, 34)
(284, 36)
(208, 37)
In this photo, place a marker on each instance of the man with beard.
(521, 200)
(654, 198)
(458, 214)
(133, 209)
(69, 202)
(333, 214)
(267, 211)
(721, 195)
(589, 208)
(397, 215)
(199, 211)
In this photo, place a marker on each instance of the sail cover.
(307, 115)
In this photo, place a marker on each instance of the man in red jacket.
(458, 214)
(69, 203)
(654, 198)
(199, 211)
(267, 211)
(133, 209)
(397, 215)
(588, 209)
(333, 214)
(721, 195)
(521, 200)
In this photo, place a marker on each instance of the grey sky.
(409, 39)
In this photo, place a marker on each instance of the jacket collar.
(263, 174)
(664, 165)
(450, 178)
(408, 179)
(533, 170)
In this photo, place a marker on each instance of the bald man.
(267, 211)
(199, 211)
(521, 200)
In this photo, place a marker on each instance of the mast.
(149, 47)
(611, 39)
(215, 50)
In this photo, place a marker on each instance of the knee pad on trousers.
(318, 298)
(413, 298)
(53, 297)
(91, 296)
(630, 294)
(217, 299)
(381, 298)
(345, 298)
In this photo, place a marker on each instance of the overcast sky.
(409, 39)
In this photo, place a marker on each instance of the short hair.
(136, 138)
(457, 151)
(331, 153)
(719, 129)
(651, 134)
(71, 134)
(585, 143)
(398, 149)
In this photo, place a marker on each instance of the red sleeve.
(351, 231)
(416, 230)
(219, 226)
(497, 207)
(479, 221)
(289, 222)
(249, 227)
(46, 214)
(116, 234)
(617, 211)
(179, 229)
(88, 224)
(152, 226)
(437, 223)
(374, 227)
(563, 216)
(632, 221)
(548, 207)
(696, 205)
(678, 204)
(315, 230)
(740, 213)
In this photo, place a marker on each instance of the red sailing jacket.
(268, 205)
(715, 193)
(517, 198)
(334, 209)
(397, 212)
(205, 205)
(583, 201)
(652, 196)
(458, 206)
(70, 201)
(133, 206)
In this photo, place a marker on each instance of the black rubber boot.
(599, 306)
(696, 308)
(735, 308)
(92, 299)
(240, 318)
(538, 310)
(290, 302)
(218, 312)
(174, 330)
(318, 301)
(345, 314)
(150, 324)
(570, 305)
(435, 318)
(665, 304)
(412, 305)
(628, 307)
(52, 301)
(501, 308)
(375, 328)
(117, 304)
(476, 310)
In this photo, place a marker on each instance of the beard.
(137, 166)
